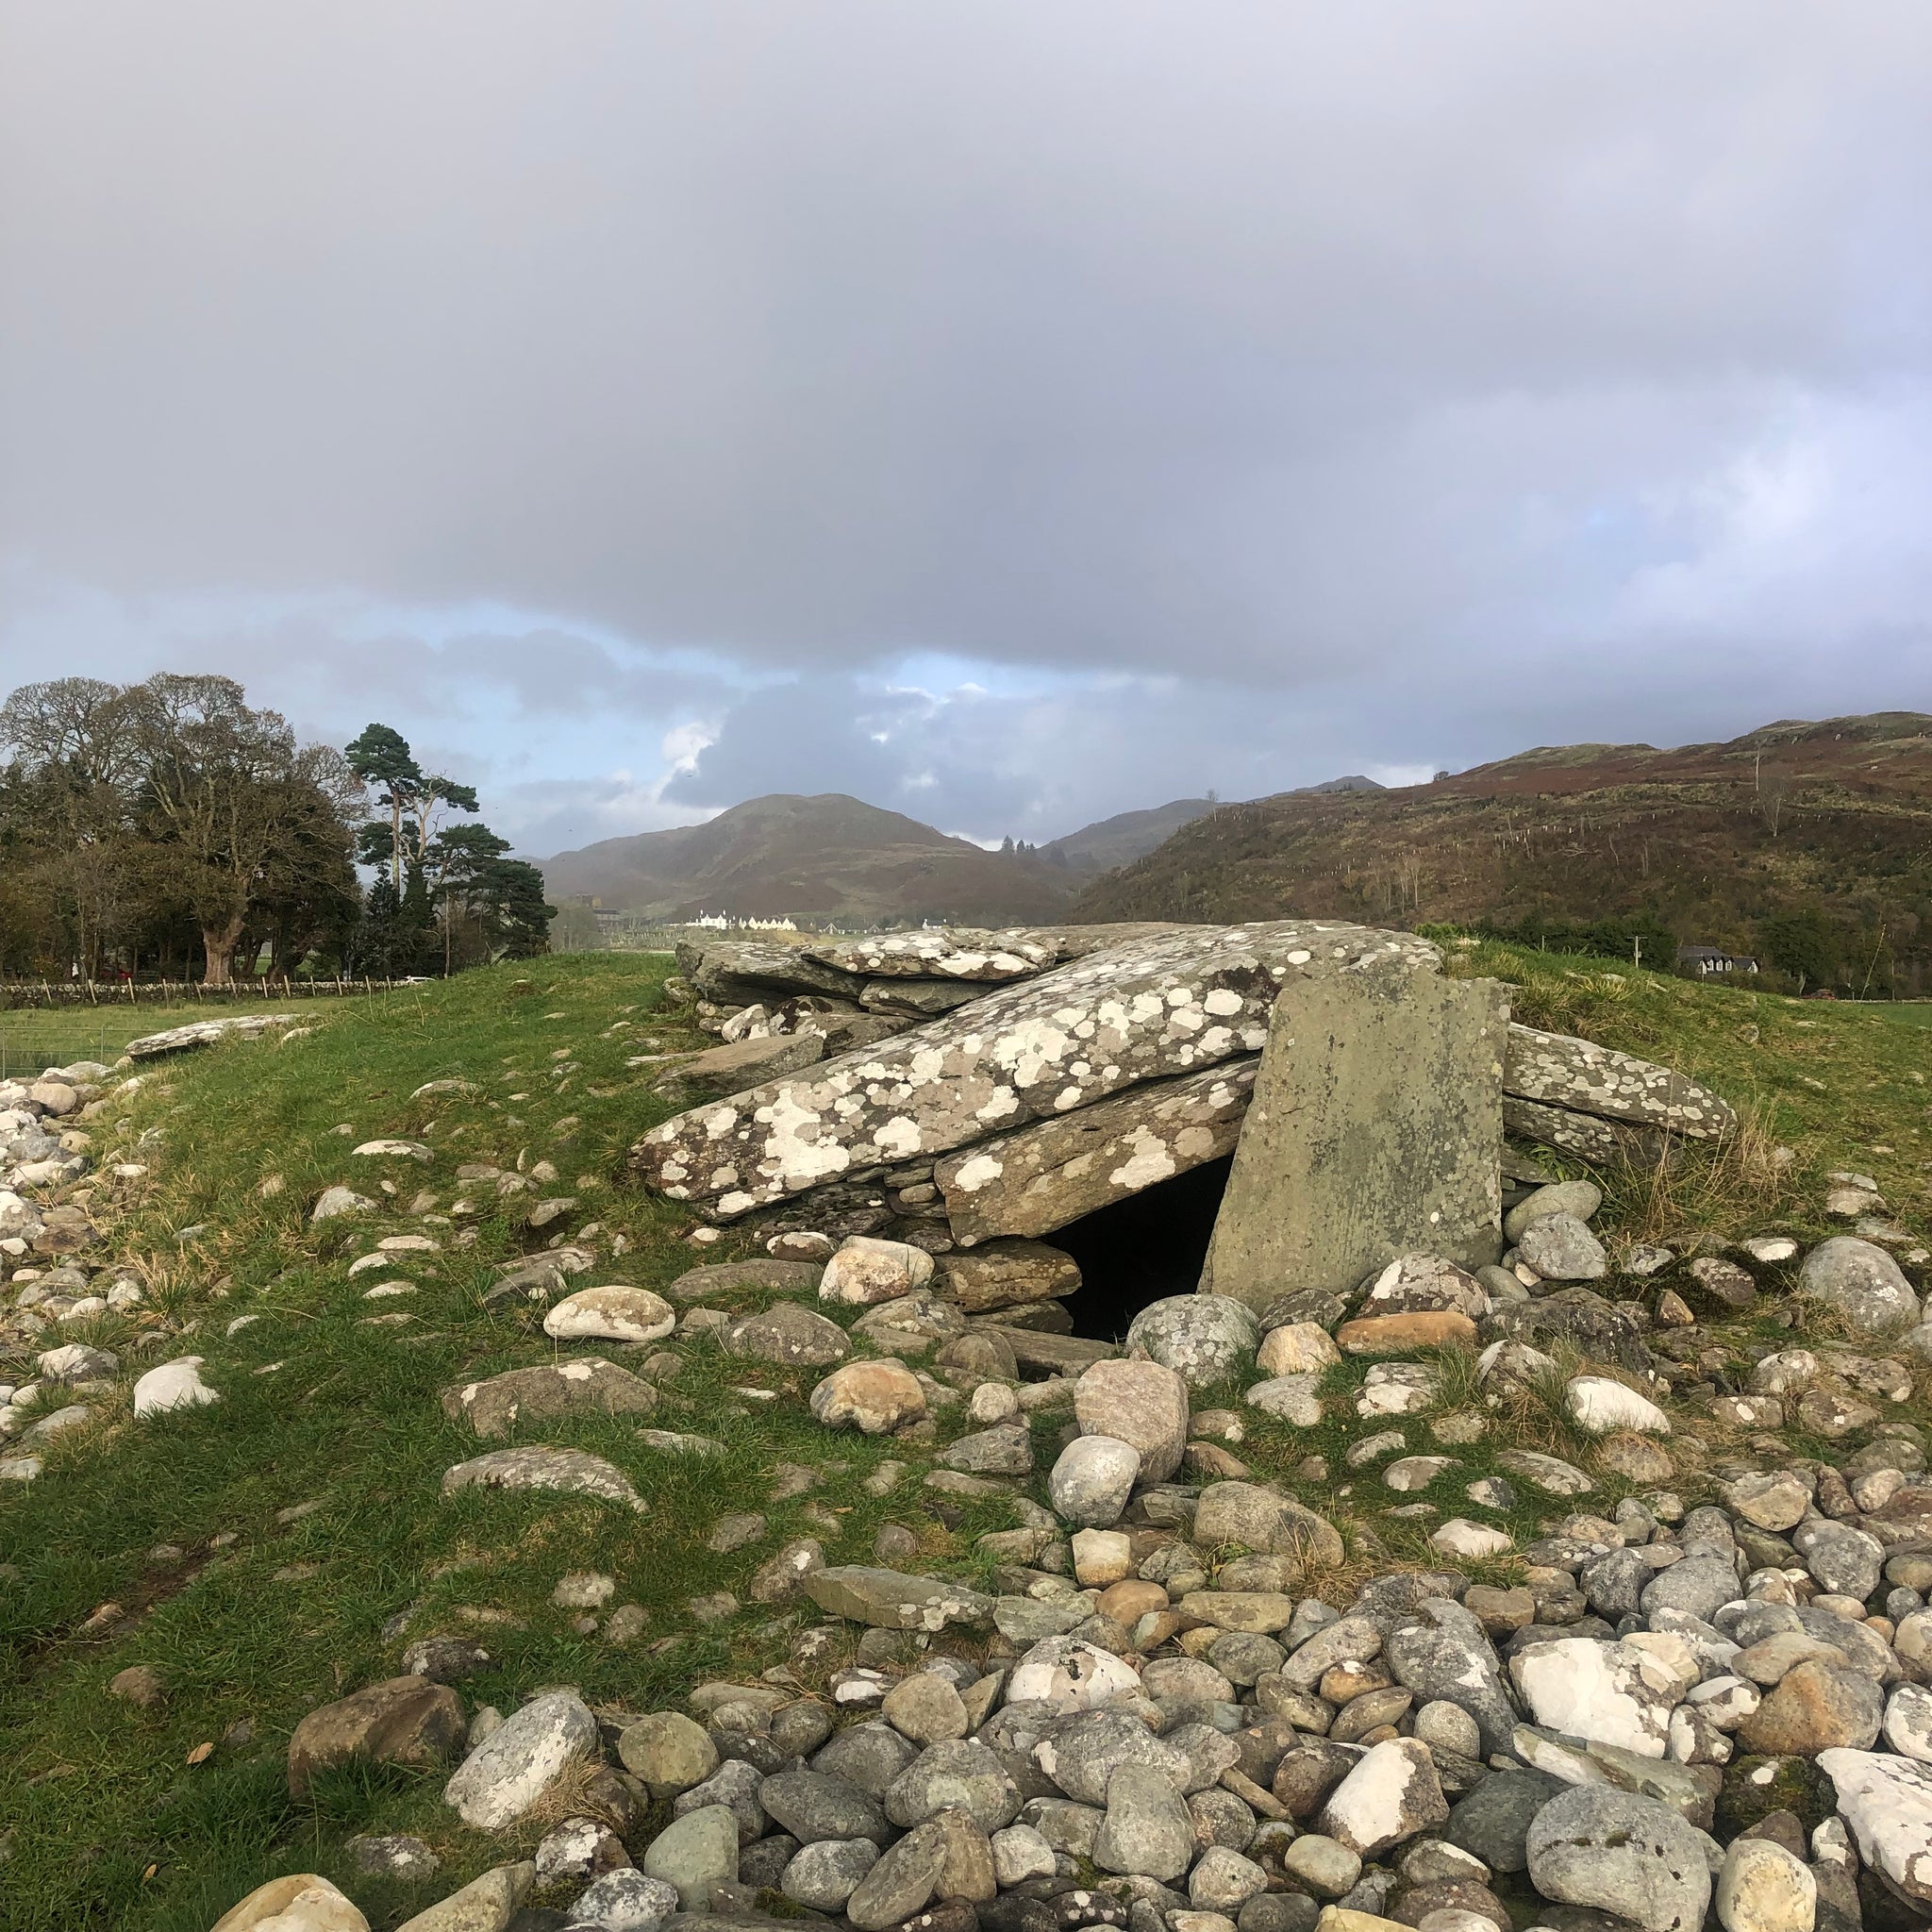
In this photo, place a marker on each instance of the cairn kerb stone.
(1588, 1136)
(738, 1064)
(1375, 1129)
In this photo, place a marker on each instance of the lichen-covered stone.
(939, 952)
(887, 1600)
(1053, 1172)
(586, 1385)
(1005, 1274)
(1176, 1003)
(1586, 1078)
(535, 1467)
(1375, 1129)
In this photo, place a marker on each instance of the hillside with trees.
(1806, 845)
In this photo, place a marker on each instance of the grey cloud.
(1406, 382)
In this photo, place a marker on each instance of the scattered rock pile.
(1165, 1715)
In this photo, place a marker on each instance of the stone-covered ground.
(399, 1520)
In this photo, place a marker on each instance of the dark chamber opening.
(1141, 1249)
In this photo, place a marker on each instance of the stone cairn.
(1187, 1704)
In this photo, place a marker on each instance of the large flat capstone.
(1377, 1128)
(1050, 1173)
(1170, 1003)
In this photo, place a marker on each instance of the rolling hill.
(1830, 821)
(832, 856)
(828, 857)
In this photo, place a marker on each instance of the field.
(270, 1553)
(33, 1038)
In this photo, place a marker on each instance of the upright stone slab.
(1376, 1130)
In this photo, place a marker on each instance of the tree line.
(169, 828)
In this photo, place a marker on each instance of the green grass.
(1843, 1085)
(105, 1819)
(1906, 1012)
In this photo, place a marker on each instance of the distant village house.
(1708, 963)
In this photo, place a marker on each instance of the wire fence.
(53, 1024)
(29, 1050)
(18, 993)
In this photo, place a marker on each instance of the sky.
(1009, 414)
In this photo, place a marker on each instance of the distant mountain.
(1127, 836)
(1123, 839)
(836, 858)
(825, 858)
(1829, 823)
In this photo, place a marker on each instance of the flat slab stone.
(739, 973)
(890, 1600)
(1587, 1135)
(1586, 1078)
(738, 1064)
(1400, 1334)
(1548, 1472)
(570, 1471)
(939, 952)
(206, 1033)
(1176, 1003)
(494, 1406)
(1006, 1273)
(1050, 1173)
(1887, 1802)
(762, 1276)
(1374, 1130)
(1034, 1348)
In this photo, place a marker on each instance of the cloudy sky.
(1009, 413)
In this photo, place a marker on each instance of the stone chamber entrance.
(1141, 1249)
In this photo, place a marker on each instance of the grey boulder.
(1560, 1248)
(1622, 1853)
(1148, 1827)
(1862, 1282)
(958, 1774)
(1204, 1338)
(1492, 1821)
(1080, 1753)
(827, 1872)
(1447, 1657)
(625, 1900)
(1697, 1586)
(814, 1805)
(788, 1333)
(695, 1852)
(902, 1881)
(1093, 1479)
(513, 1768)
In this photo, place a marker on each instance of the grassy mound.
(279, 1549)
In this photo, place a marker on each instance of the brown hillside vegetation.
(1830, 820)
